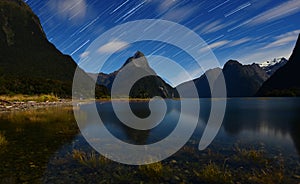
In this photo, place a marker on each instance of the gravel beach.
(7, 106)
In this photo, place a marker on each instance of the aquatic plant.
(212, 173)
(152, 170)
(250, 156)
(91, 160)
(271, 173)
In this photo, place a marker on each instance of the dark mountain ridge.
(29, 63)
(241, 80)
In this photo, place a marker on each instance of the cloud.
(284, 39)
(84, 54)
(238, 42)
(173, 10)
(69, 9)
(180, 13)
(165, 5)
(218, 44)
(215, 45)
(213, 27)
(113, 46)
(283, 10)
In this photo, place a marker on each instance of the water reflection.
(273, 121)
(139, 137)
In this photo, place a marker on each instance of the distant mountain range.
(286, 80)
(29, 63)
(241, 80)
(272, 66)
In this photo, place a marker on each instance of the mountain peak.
(272, 62)
(138, 54)
(272, 66)
(295, 55)
(232, 63)
(138, 58)
(146, 87)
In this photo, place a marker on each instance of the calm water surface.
(40, 146)
(272, 122)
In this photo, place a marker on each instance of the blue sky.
(246, 30)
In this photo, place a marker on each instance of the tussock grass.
(27, 98)
(51, 114)
(152, 170)
(212, 173)
(91, 160)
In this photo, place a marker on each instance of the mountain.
(286, 80)
(29, 63)
(146, 87)
(272, 66)
(241, 80)
(201, 84)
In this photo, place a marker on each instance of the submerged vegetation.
(91, 160)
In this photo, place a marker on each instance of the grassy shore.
(19, 102)
(27, 98)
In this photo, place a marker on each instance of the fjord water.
(41, 143)
(274, 122)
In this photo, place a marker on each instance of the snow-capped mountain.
(271, 66)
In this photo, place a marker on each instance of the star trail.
(248, 31)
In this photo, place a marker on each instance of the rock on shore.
(7, 106)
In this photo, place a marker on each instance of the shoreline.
(12, 106)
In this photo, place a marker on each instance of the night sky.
(246, 30)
